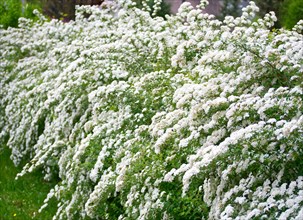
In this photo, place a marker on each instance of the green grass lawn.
(21, 199)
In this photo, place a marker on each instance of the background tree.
(60, 9)
(291, 11)
(65, 9)
(230, 7)
(270, 5)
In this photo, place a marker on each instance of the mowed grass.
(21, 199)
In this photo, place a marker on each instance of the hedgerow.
(186, 117)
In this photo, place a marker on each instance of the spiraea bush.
(186, 117)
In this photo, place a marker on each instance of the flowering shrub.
(146, 118)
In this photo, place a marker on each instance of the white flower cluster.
(149, 118)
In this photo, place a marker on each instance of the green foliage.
(29, 7)
(291, 13)
(12, 10)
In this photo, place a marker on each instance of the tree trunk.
(65, 9)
